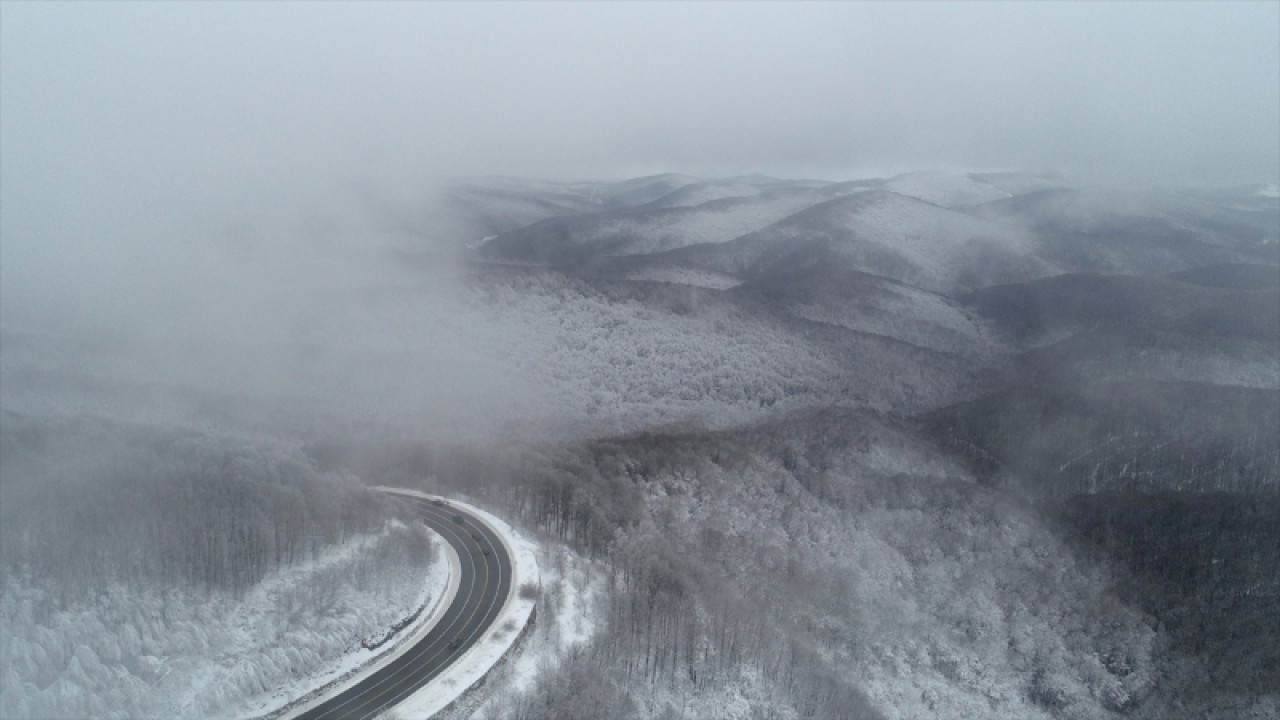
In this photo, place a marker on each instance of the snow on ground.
(569, 614)
(432, 596)
(938, 245)
(745, 697)
(715, 222)
(698, 193)
(165, 653)
(354, 665)
(614, 365)
(914, 242)
(656, 230)
(945, 189)
(678, 275)
(899, 311)
(497, 641)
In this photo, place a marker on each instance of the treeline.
(1140, 436)
(87, 502)
(1206, 564)
(799, 565)
(676, 619)
(674, 627)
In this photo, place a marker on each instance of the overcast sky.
(215, 94)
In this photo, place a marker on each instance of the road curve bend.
(484, 586)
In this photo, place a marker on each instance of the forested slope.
(153, 572)
(927, 447)
(829, 564)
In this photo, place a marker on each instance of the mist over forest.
(844, 361)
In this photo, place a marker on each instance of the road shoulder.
(470, 670)
(401, 644)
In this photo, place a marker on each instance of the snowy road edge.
(397, 647)
(472, 667)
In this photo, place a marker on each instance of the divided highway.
(483, 588)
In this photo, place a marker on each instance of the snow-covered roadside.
(569, 614)
(166, 652)
(468, 670)
(294, 698)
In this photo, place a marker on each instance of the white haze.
(192, 179)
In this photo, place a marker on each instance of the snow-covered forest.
(795, 508)
(161, 572)
(802, 488)
(862, 361)
(806, 488)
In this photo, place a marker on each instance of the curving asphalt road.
(483, 588)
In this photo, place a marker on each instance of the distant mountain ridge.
(944, 233)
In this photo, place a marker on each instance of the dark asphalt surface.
(484, 584)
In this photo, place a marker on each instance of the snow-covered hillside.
(624, 357)
(681, 275)
(870, 303)
(841, 564)
(947, 190)
(882, 448)
(164, 652)
(157, 571)
(883, 233)
(1141, 233)
(699, 193)
(651, 230)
